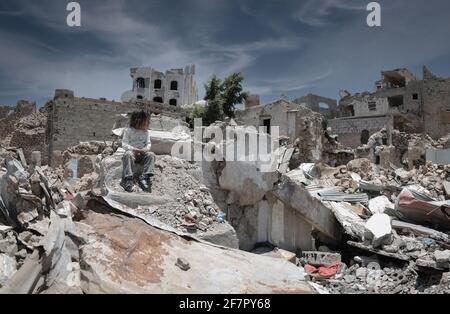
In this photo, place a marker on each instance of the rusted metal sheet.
(424, 212)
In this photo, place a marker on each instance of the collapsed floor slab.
(312, 210)
(125, 255)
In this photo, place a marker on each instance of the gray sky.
(282, 47)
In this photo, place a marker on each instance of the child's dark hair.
(139, 118)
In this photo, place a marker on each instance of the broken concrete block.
(246, 180)
(361, 273)
(276, 253)
(378, 204)
(312, 210)
(8, 267)
(378, 230)
(346, 216)
(442, 256)
(320, 258)
(360, 166)
(404, 175)
(147, 252)
(8, 245)
(446, 185)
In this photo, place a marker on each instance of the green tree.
(213, 112)
(222, 96)
(232, 93)
(213, 88)
(213, 95)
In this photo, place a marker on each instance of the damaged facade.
(325, 106)
(175, 87)
(400, 101)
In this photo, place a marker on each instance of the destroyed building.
(400, 101)
(175, 87)
(325, 106)
(293, 120)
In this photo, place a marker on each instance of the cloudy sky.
(282, 47)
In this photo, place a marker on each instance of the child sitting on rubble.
(136, 143)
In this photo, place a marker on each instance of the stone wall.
(436, 109)
(350, 129)
(323, 105)
(73, 120)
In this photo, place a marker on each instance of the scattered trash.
(221, 217)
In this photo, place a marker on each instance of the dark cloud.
(283, 47)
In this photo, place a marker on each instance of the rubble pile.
(359, 279)
(90, 148)
(430, 176)
(398, 217)
(178, 199)
(25, 128)
(403, 140)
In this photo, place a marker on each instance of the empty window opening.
(140, 97)
(372, 105)
(140, 82)
(365, 135)
(173, 102)
(158, 99)
(415, 96)
(395, 101)
(394, 79)
(323, 105)
(266, 124)
(351, 109)
(158, 84)
(174, 85)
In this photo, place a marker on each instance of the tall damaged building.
(176, 87)
(399, 101)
